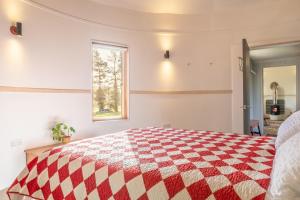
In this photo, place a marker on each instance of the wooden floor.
(272, 128)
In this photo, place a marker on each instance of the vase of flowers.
(62, 132)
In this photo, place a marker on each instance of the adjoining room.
(274, 85)
(279, 96)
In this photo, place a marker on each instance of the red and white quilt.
(152, 163)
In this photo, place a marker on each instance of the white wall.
(55, 53)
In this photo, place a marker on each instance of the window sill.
(110, 119)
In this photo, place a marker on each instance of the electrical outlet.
(16, 142)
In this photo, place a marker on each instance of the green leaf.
(60, 130)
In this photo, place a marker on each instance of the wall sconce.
(167, 54)
(16, 29)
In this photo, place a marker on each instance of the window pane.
(109, 63)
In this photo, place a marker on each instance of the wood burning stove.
(270, 104)
(275, 109)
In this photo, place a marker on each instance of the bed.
(151, 163)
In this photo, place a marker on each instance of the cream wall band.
(41, 90)
(87, 91)
(154, 92)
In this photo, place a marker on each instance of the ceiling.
(163, 6)
(193, 7)
(276, 51)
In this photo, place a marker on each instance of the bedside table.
(34, 152)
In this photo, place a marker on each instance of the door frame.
(287, 41)
(265, 43)
(281, 62)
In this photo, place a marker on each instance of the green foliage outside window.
(108, 77)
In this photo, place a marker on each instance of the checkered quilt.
(152, 163)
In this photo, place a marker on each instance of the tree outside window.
(109, 81)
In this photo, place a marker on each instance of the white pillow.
(288, 128)
(285, 177)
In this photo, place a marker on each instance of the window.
(109, 81)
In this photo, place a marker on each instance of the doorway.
(279, 96)
(273, 82)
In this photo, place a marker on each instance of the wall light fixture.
(16, 29)
(167, 54)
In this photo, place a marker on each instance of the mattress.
(151, 163)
